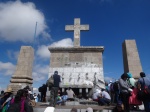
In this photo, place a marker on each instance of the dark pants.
(43, 96)
(125, 101)
(147, 105)
(116, 97)
(53, 96)
(104, 101)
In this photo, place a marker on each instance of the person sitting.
(104, 98)
(70, 94)
(96, 95)
(64, 98)
(59, 99)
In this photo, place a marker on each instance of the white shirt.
(96, 95)
(70, 93)
(105, 95)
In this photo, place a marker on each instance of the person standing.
(145, 81)
(54, 89)
(43, 93)
(125, 91)
(39, 97)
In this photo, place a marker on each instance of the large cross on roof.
(76, 28)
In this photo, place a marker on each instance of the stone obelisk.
(23, 74)
(131, 59)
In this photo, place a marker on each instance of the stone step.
(40, 107)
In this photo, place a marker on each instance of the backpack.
(115, 86)
(40, 89)
(50, 82)
(112, 87)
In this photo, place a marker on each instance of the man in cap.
(55, 88)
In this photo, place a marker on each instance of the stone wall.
(78, 67)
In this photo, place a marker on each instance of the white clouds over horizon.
(43, 51)
(7, 68)
(18, 21)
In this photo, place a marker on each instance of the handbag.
(32, 103)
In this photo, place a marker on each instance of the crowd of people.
(126, 93)
(23, 101)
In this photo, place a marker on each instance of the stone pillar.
(23, 73)
(131, 58)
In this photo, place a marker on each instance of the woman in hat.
(8, 95)
(125, 91)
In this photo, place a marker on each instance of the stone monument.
(23, 73)
(131, 59)
(79, 67)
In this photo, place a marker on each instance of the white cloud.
(43, 51)
(107, 79)
(37, 77)
(13, 54)
(18, 21)
(40, 72)
(35, 90)
(7, 68)
(67, 42)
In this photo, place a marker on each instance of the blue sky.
(110, 21)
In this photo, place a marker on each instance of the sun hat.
(9, 90)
